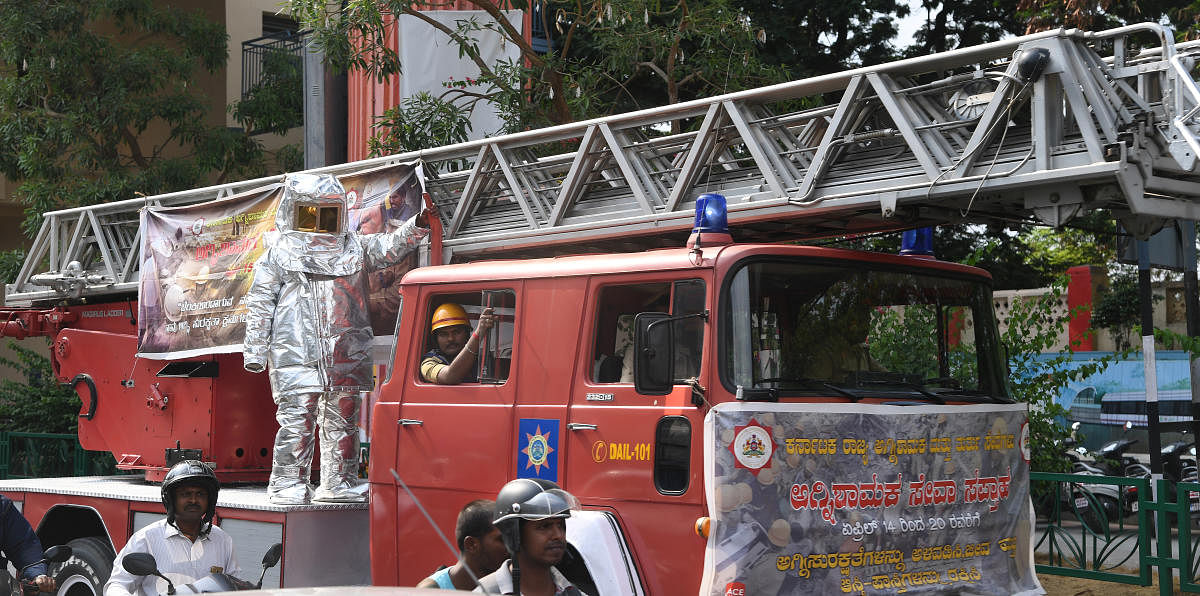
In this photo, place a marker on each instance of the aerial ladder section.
(1040, 128)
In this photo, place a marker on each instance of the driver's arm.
(20, 544)
(466, 358)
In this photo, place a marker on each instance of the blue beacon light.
(711, 227)
(917, 243)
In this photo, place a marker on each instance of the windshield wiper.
(957, 392)
(812, 381)
(902, 383)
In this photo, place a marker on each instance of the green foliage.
(97, 103)
(1033, 329)
(276, 103)
(641, 53)
(1118, 309)
(419, 122)
(10, 264)
(1096, 15)
(606, 57)
(289, 158)
(814, 37)
(1090, 242)
(906, 340)
(39, 403)
(950, 25)
(1178, 341)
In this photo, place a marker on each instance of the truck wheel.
(86, 571)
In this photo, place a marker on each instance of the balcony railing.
(257, 53)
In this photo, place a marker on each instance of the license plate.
(1194, 507)
(1081, 502)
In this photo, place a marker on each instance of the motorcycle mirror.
(57, 554)
(140, 564)
(143, 564)
(271, 559)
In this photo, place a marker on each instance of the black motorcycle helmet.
(191, 472)
(528, 499)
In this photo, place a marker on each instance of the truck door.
(642, 451)
(452, 439)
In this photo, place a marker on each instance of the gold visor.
(321, 219)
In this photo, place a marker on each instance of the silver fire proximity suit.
(308, 323)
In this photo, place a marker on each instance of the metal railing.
(1084, 527)
(1083, 532)
(43, 455)
(255, 51)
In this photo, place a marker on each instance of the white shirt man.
(178, 557)
(186, 546)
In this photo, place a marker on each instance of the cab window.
(452, 319)
(618, 305)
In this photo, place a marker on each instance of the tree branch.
(462, 43)
(135, 149)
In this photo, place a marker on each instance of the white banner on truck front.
(868, 499)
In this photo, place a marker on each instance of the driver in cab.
(453, 358)
(186, 545)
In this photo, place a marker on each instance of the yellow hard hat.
(449, 315)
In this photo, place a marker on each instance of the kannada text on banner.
(868, 499)
(197, 261)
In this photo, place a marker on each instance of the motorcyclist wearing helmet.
(531, 514)
(186, 545)
(452, 360)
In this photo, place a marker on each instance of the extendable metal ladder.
(1038, 128)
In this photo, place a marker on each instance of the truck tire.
(88, 568)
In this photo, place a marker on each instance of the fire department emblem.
(538, 449)
(537, 452)
(752, 446)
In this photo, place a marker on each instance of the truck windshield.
(860, 329)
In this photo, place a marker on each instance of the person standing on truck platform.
(531, 514)
(453, 358)
(308, 322)
(481, 546)
(186, 545)
(20, 545)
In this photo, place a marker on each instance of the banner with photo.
(197, 261)
(868, 499)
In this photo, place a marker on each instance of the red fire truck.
(619, 331)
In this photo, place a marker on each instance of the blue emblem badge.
(537, 448)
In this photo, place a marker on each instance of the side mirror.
(271, 559)
(57, 554)
(140, 564)
(653, 361)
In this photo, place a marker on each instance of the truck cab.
(601, 369)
